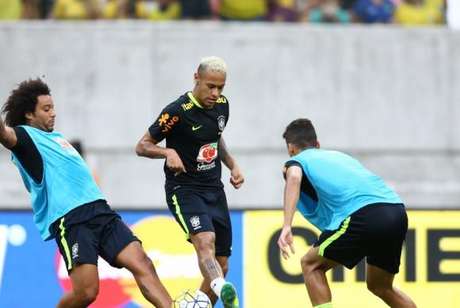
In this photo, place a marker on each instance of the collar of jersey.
(193, 99)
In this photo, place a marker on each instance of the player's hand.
(236, 177)
(286, 241)
(174, 163)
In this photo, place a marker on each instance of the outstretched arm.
(291, 196)
(147, 147)
(7, 135)
(236, 178)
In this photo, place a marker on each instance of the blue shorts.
(203, 210)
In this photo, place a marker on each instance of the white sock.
(217, 284)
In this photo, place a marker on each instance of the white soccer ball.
(189, 299)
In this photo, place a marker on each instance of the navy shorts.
(104, 235)
(376, 231)
(203, 210)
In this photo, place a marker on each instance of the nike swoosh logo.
(194, 128)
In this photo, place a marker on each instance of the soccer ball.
(189, 300)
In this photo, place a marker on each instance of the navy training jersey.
(194, 132)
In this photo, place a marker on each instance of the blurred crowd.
(405, 12)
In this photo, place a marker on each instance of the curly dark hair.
(23, 100)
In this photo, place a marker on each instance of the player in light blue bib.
(67, 204)
(358, 214)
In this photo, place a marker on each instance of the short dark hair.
(300, 133)
(23, 100)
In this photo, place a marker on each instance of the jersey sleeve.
(27, 153)
(291, 163)
(305, 185)
(166, 122)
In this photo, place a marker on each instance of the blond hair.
(214, 64)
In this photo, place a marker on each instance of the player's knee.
(87, 295)
(205, 245)
(378, 289)
(205, 253)
(306, 264)
(143, 264)
(146, 263)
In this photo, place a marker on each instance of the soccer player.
(359, 216)
(193, 126)
(67, 203)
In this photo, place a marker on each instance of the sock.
(325, 305)
(217, 284)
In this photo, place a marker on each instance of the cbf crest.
(221, 123)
